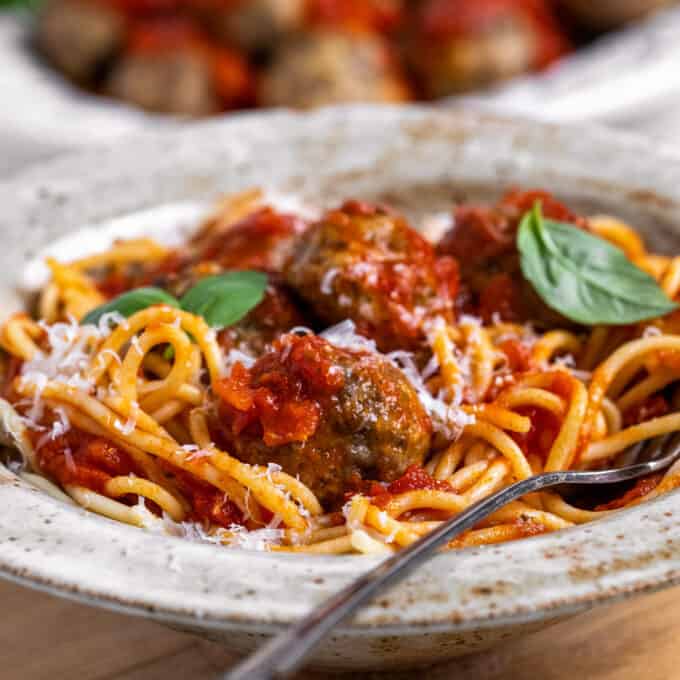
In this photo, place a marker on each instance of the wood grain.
(45, 638)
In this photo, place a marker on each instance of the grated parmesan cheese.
(327, 281)
(259, 540)
(66, 361)
(235, 356)
(126, 428)
(344, 335)
(447, 418)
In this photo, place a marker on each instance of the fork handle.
(285, 653)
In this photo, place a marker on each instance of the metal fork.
(286, 652)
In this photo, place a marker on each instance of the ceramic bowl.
(419, 161)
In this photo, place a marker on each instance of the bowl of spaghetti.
(230, 383)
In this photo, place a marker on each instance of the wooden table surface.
(45, 638)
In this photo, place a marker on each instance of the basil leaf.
(583, 277)
(224, 299)
(129, 303)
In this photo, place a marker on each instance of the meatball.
(256, 25)
(332, 416)
(169, 66)
(178, 84)
(80, 37)
(365, 264)
(460, 45)
(262, 240)
(483, 239)
(323, 67)
(277, 314)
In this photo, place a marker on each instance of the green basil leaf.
(224, 299)
(131, 302)
(583, 277)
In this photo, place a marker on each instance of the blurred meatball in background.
(170, 67)
(459, 45)
(80, 37)
(340, 55)
(323, 67)
(253, 25)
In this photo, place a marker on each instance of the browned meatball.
(257, 24)
(171, 66)
(80, 37)
(317, 68)
(262, 240)
(330, 415)
(175, 83)
(458, 45)
(364, 264)
(277, 314)
(483, 239)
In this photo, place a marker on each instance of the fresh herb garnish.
(221, 300)
(583, 277)
(130, 303)
(224, 299)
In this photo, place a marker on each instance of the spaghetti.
(434, 388)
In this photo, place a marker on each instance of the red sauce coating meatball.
(330, 415)
(278, 313)
(458, 45)
(262, 240)
(156, 40)
(483, 240)
(363, 263)
(442, 19)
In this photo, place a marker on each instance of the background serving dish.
(617, 77)
(418, 161)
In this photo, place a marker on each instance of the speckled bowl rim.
(72, 553)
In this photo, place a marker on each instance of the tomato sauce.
(501, 298)
(415, 478)
(254, 242)
(517, 353)
(654, 406)
(281, 397)
(208, 504)
(641, 488)
(545, 425)
(80, 459)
